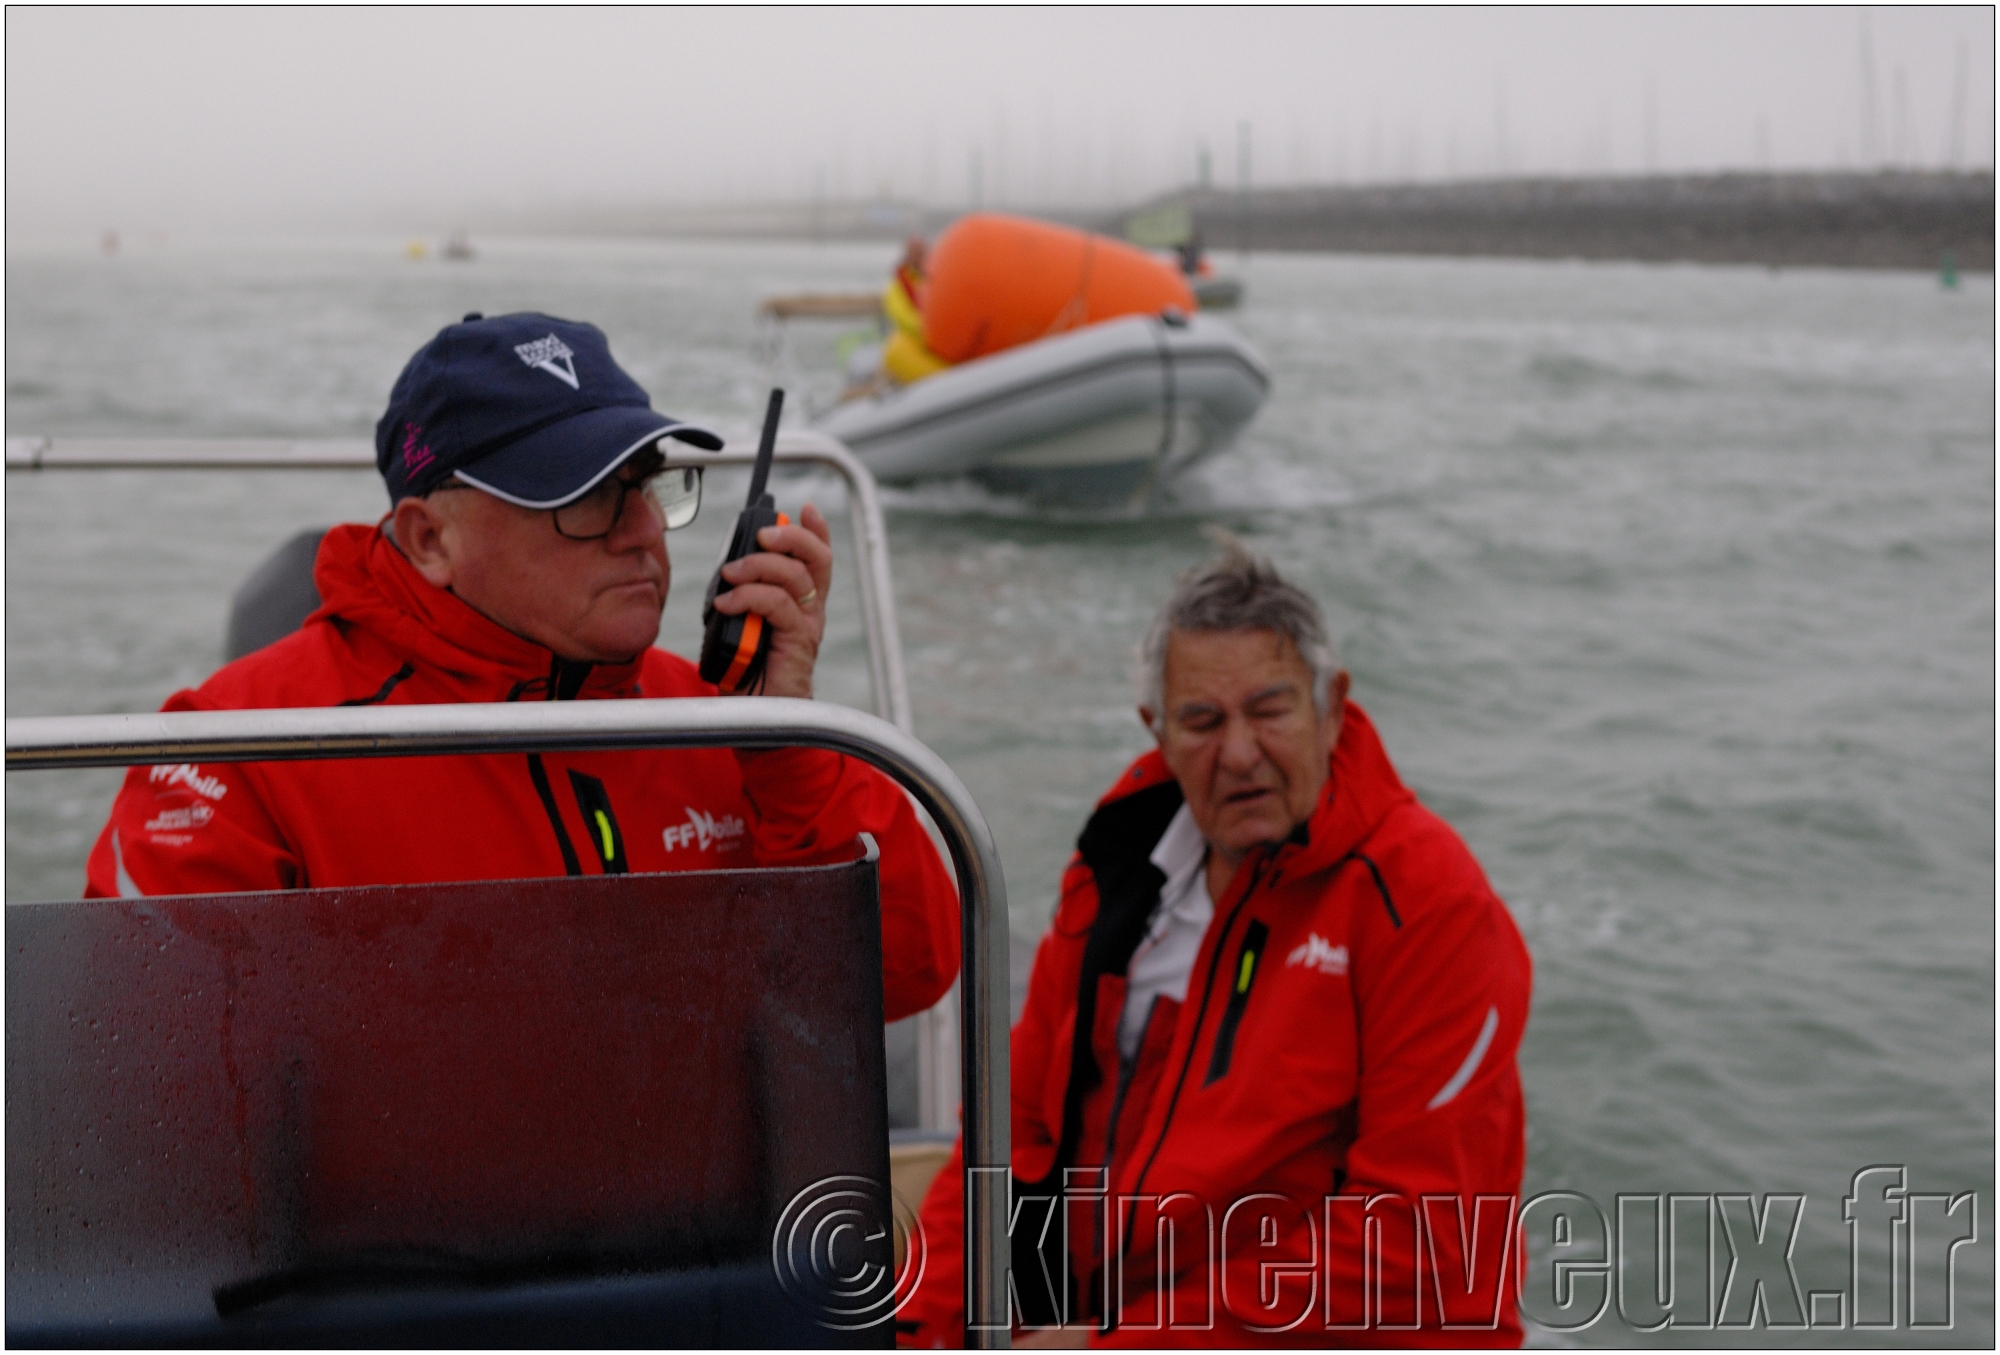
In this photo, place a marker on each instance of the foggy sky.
(169, 119)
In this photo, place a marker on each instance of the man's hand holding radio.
(785, 583)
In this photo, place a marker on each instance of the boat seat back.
(234, 1118)
(277, 597)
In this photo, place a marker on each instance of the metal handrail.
(796, 446)
(692, 722)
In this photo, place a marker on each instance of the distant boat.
(1216, 292)
(1096, 416)
(1172, 227)
(458, 248)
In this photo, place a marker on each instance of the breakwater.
(1893, 219)
(1899, 219)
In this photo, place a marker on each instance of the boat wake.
(1230, 487)
(1254, 484)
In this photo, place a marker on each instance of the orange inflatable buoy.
(995, 282)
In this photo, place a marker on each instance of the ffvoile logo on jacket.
(1319, 953)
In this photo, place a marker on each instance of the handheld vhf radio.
(734, 648)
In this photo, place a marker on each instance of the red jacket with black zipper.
(383, 635)
(1322, 1144)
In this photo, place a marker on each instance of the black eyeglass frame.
(645, 484)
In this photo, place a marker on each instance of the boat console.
(610, 1110)
(639, 1110)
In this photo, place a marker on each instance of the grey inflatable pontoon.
(1100, 415)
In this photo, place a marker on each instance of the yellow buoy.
(906, 359)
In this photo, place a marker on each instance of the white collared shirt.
(1165, 958)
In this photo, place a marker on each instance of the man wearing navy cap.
(533, 412)
(524, 558)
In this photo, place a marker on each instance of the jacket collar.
(1361, 788)
(365, 581)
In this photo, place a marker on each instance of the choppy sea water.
(1672, 588)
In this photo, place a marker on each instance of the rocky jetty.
(1891, 219)
(1896, 219)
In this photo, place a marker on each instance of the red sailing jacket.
(1321, 1144)
(383, 635)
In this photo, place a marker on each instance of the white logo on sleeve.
(725, 834)
(545, 354)
(1319, 953)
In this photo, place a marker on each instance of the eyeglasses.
(674, 495)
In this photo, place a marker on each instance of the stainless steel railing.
(876, 588)
(797, 446)
(761, 722)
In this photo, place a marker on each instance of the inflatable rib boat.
(1047, 361)
(1096, 416)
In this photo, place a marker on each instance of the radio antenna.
(767, 445)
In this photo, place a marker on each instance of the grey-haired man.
(1274, 1018)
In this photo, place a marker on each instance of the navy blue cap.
(527, 407)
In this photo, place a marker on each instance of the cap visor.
(564, 461)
